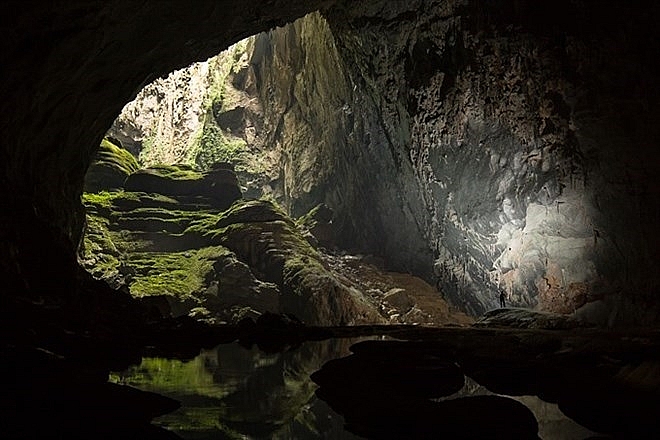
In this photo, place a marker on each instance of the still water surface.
(232, 392)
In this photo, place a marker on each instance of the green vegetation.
(175, 172)
(158, 246)
(99, 255)
(198, 419)
(214, 146)
(117, 156)
(178, 274)
(211, 144)
(114, 199)
(102, 200)
(230, 61)
(171, 376)
(309, 220)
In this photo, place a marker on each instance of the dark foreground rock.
(50, 396)
(525, 318)
(604, 381)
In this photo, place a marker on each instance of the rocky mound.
(219, 186)
(184, 243)
(524, 318)
(110, 168)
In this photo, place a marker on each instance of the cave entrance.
(192, 204)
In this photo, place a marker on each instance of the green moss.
(175, 172)
(178, 274)
(213, 145)
(309, 220)
(99, 254)
(112, 199)
(101, 199)
(117, 156)
(198, 419)
(204, 226)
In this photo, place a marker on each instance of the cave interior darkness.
(483, 147)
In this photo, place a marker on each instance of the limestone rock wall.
(336, 147)
(159, 125)
(486, 147)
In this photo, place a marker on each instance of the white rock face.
(159, 125)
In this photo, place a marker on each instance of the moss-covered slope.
(184, 242)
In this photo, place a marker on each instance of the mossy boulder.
(219, 186)
(263, 236)
(174, 180)
(318, 221)
(214, 265)
(110, 168)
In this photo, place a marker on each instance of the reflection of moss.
(171, 376)
(177, 273)
(198, 420)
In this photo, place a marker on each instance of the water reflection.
(552, 423)
(237, 393)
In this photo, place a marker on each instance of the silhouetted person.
(502, 298)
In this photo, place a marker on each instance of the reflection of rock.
(244, 392)
(385, 394)
(71, 399)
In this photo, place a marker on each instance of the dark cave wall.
(67, 70)
(486, 146)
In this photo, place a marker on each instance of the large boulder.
(170, 180)
(264, 237)
(110, 168)
(220, 186)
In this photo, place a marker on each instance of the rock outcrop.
(184, 242)
(522, 318)
(109, 170)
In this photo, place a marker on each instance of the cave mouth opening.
(191, 193)
(419, 155)
(59, 368)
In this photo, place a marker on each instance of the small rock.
(398, 298)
